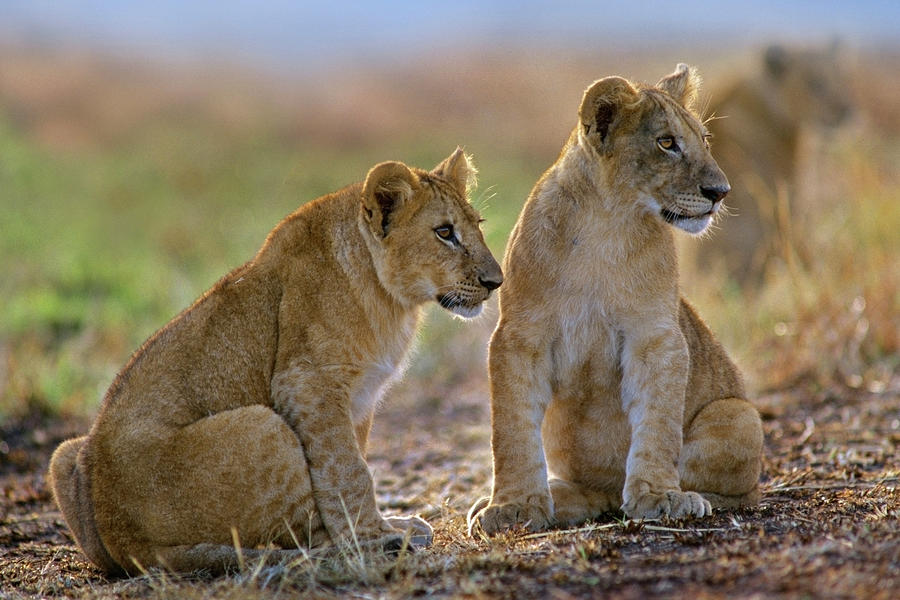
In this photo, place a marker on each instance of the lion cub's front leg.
(654, 379)
(520, 394)
(317, 407)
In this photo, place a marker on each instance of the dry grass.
(835, 318)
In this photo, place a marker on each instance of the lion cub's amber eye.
(667, 143)
(445, 232)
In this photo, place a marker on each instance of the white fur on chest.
(373, 385)
(585, 333)
(385, 369)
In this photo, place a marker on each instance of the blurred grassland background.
(130, 181)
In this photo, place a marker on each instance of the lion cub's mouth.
(670, 216)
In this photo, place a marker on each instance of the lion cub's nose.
(489, 274)
(491, 283)
(715, 193)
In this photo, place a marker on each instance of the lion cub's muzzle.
(697, 206)
(466, 298)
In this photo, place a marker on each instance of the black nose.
(490, 283)
(715, 193)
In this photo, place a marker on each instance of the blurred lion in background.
(768, 133)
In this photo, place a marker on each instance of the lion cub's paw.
(393, 535)
(420, 533)
(535, 514)
(673, 503)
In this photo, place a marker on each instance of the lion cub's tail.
(72, 494)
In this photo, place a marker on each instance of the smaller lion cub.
(600, 372)
(245, 419)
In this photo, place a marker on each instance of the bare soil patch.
(828, 525)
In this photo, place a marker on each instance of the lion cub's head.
(424, 235)
(651, 141)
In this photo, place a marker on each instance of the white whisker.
(484, 196)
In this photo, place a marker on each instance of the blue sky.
(281, 31)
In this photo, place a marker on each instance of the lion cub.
(245, 419)
(598, 369)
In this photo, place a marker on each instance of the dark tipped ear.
(388, 186)
(776, 60)
(683, 85)
(458, 169)
(601, 106)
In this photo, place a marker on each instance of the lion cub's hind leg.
(70, 489)
(575, 504)
(241, 470)
(720, 458)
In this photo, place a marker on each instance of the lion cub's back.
(216, 355)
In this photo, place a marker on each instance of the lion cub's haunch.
(249, 413)
(598, 369)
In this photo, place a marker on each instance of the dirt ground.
(828, 525)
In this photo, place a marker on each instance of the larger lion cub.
(245, 419)
(599, 371)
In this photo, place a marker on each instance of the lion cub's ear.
(602, 106)
(388, 186)
(459, 170)
(683, 85)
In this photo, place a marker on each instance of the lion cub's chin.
(693, 225)
(466, 312)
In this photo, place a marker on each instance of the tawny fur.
(768, 128)
(248, 414)
(599, 372)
